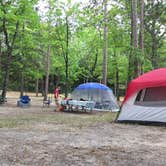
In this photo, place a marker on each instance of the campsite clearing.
(40, 136)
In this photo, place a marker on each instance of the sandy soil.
(58, 144)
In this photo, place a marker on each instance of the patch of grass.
(92, 119)
(71, 119)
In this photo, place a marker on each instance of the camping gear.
(24, 101)
(76, 105)
(145, 98)
(101, 94)
(46, 102)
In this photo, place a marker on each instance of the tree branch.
(5, 33)
(15, 34)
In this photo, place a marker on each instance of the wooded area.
(65, 43)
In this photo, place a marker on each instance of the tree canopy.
(52, 43)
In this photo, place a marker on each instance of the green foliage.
(85, 40)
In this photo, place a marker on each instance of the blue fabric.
(92, 85)
(25, 99)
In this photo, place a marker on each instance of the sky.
(43, 7)
(42, 4)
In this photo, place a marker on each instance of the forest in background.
(66, 44)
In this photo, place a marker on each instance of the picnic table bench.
(76, 105)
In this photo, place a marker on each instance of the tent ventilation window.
(154, 96)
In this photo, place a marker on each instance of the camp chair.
(24, 101)
(46, 102)
(2, 100)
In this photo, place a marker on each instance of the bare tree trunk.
(154, 53)
(0, 53)
(43, 85)
(135, 37)
(47, 73)
(141, 33)
(67, 59)
(94, 66)
(130, 56)
(37, 87)
(67, 77)
(21, 84)
(116, 84)
(105, 47)
(141, 39)
(9, 44)
(6, 77)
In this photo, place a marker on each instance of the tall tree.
(141, 32)
(105, 40)
(14, 16)
(10, 38)
(48, 52)
(135, 37)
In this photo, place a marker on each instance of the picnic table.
(76, 105)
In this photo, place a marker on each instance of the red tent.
(153, 78)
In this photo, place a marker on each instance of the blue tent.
(92, 85)
(101, 94)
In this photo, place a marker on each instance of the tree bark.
(141, 38)
(154, 53)
(135, 37)
(94, 66)
(105, 46)
(0, 53)
(37, 87)
(21, 84)
(47, 72)
(67, 59)
(116, 85)
(9, 44)
(6, 77)
(130, 56)
(141, 33)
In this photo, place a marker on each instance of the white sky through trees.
(43, 5)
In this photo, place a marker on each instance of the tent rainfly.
(145, 99)
(101, 94)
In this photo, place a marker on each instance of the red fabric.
(153, 78)
(56, 93)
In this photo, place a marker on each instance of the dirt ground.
(45, 141)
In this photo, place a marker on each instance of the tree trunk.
(117, 83)
(94, 66)
(154, 53)
(67, 79)
(37, 87)
(105, 47)
(21, 84)
(9, 45)
(6, 77)
(130, 56)
(43, 85)
(47, 73)
(135, 37)
(67, 59)
(0, 54)
(141, 32)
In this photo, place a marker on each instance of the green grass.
(73, 120)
